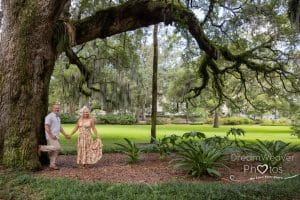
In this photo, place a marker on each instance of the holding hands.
(68, 136)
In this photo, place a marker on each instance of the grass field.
(111, 134)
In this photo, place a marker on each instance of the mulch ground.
(113, 167)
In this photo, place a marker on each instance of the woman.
(88, 151)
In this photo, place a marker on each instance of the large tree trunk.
(26, 63)
(154, 85)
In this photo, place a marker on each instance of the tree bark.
(26, 63)
(154, 85)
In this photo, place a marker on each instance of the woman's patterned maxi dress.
(88, 150)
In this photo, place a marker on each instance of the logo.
(256, 167)
(262, 168)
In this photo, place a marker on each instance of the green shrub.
(237, 132)
(124, 119)
(198, 157)
(159, 120)
(210, 120)
(237, 121)
(277, 122)
(296, 125)
(161, 146)
(257, 121)
(172, 139)
(194, 134)
(178, 120)
(222, 143)
(197, 123)
(230, 120)
(67, 118)
(270, 152)
(130, 149)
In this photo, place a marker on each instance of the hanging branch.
(127, 16)
(209, 12)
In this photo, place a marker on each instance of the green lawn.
(111, 134)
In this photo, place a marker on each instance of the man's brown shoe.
(54, 168)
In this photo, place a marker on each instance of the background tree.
(154, 85)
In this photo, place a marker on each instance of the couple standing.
(88, 150)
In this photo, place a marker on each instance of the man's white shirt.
(54, 123)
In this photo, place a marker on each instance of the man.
(52, 130)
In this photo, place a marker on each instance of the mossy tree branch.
(136, 14)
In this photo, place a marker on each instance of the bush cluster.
(244, 120)
(159, 120)
(277, 122)
(67, 118)
(198, 155)
(127, 119)
(124, 119)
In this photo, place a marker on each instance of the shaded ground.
(113, 167)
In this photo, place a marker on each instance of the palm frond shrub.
(130, 149)
(222, 143)
(236, 132)
(194, 134)
(198, 157)
(172, 139)
(162, 146)
(269, 152)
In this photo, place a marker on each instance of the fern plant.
(198, 157)
(270, 152)
(130, 149)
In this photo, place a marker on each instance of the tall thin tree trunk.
(216, 119)
(187, 113)
(154, 85)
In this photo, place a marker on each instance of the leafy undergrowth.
(18, 185)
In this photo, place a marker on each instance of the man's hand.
(47, 128)
(53, 137)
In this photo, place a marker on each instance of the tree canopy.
(249, 42)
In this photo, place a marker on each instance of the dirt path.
(113, 167)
